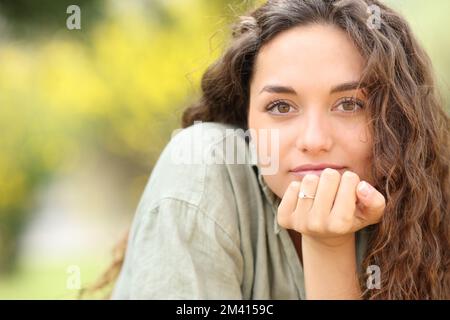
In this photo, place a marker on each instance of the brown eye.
(279, 107)
(283, 108)
(350, 105)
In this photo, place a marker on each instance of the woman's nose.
(314, 134)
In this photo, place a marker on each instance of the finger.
(371, 202)
(309, 188)
(326, 192)
(342, 213)
(288, 204)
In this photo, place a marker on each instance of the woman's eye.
(350, 106)
(279, 107)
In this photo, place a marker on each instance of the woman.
(349, 195)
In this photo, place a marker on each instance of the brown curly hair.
(411, 152)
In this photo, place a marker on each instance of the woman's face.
(303, 90)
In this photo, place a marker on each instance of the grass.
(51, 279)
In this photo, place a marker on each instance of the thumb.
(371, 203)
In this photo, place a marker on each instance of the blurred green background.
(85, 113)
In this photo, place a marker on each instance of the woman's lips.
(303, 173)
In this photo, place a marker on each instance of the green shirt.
(206, 229)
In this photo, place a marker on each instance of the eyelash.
(272, 105)
(354, 101)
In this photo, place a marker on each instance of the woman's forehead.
(320, 54)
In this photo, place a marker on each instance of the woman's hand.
(341, 206)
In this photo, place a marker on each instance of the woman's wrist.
(330, 243)
(330, 268)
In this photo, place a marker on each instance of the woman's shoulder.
(197, 167)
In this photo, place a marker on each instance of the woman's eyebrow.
(278, 89)
(346, 86)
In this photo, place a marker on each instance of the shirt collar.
(272, 198)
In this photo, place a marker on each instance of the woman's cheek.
(267, 144)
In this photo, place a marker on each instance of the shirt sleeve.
(179, 252)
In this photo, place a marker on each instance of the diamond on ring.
(302, 195)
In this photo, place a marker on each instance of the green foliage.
(31, 18)
(120, 90)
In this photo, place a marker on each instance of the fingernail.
(364, 189)
(295, 184)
